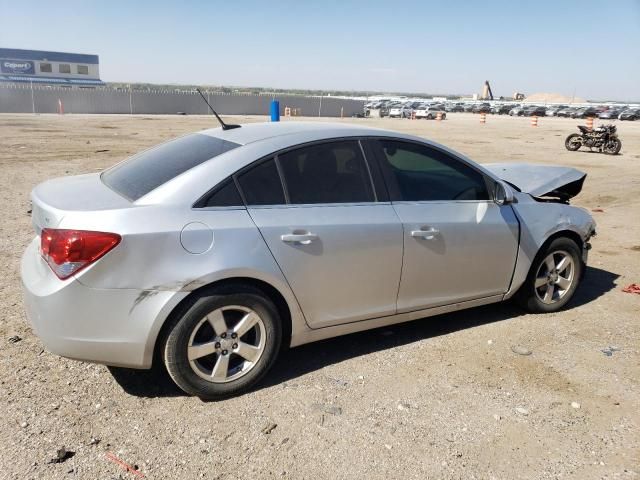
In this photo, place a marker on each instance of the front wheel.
(223, 343)
(553, 277)
(612, 147)
(573, 142)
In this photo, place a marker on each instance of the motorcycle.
(604, 138)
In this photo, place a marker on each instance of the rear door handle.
(300, 238)
(428, 233)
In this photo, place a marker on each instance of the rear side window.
(261, 185)
(147, 170)
(224, 195)
(333, 172)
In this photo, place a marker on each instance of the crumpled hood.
(540, 180)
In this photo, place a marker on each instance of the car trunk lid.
(54, 199)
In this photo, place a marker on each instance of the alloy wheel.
(555, 277)
(226, 344)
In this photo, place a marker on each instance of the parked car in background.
(401, 111)
(501, 109)
(482, 108)
(610, 114)
(517, 111)
(455, 107)
(552, 110)
(585, 112)
(566, 112)
(430, 112)
(468, 107)
(630, 114)
(212, 251)
(386, 107)
(381, 105)
(534, 110)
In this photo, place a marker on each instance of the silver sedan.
(213, 251)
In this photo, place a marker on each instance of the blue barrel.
(275, 111)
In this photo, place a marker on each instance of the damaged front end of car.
(541, 203)
(545, 183)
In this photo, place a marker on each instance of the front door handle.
(300, 238)
(428, 233)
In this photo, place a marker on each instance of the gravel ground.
(443, 398)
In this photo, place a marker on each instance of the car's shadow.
(307, 358)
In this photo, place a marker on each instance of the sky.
(587, 48)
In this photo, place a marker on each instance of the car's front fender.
(540, 221)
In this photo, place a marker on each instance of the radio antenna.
(224, 125)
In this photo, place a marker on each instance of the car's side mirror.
(502, 194)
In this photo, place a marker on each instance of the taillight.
(69, 251)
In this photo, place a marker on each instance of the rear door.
(338, 245)
(459, 245)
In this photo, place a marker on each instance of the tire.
(429, 117)
(536, 299)
(613, 147)
(444, 116)
(572, 145)
(195, 328)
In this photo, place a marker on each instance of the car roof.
(255, 132)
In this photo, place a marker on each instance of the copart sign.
(22, 67)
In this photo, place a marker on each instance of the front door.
(459, 245)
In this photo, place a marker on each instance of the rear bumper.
(110, 326)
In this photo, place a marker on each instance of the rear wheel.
(612, 147)
(224, 343)
(573, 142)
(553, 278)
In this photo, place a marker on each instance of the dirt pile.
(552, 98)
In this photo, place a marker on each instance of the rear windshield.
(147, 170)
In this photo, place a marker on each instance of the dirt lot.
(441, 398)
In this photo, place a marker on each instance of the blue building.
(49, 68)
